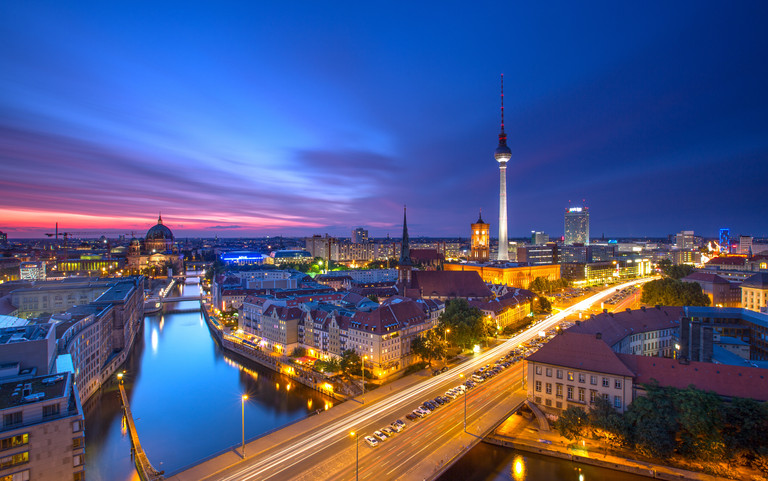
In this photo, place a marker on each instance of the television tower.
(502, 155)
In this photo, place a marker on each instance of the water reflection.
(155, 340)
(518, 468)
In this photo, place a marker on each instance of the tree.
(700, 423)
(466, 322)
(672, 292)
(673, 271)
(605, 422)
(572, 423)
(299, 352)
(541, 305)
(542, 285)
(374, 298)
(651, 422)
(350, 362)
(429, 346)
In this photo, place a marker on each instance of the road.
(328, 452)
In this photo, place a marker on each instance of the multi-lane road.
(328, 451)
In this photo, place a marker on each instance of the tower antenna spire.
(502, 103)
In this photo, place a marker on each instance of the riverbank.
(249, 350)
(522, 434)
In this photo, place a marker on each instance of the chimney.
(599, 335)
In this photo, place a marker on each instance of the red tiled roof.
(728, 261)
(390, 317)
(616, 326)
(450, 284)
(725, 380)
(759, 280)
(510, 299)
(580, 351)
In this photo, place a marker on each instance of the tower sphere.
(502, 153)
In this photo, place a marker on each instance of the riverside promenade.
(145, 469)
(522, 434)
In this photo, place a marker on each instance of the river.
(185, 397)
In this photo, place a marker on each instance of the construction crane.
(64, 235)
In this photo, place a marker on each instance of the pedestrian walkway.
(145, 469)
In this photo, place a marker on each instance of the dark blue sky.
(245, 119)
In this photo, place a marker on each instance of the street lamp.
(465, 405)
(445, 360)
(243, 398)
(362, 365)
(357, 454)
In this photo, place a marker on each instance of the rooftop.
(580, 351)
(41, 388)
(616, 326)
(35, 332)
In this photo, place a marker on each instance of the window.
(538, 386)
(14, 441)
(592, 396)
(570, 393)
(77, 460)
(617, 401)
(606, 383)
(582, 377)
(549, 388)
(570, 375)
(559, 405)
(77, 443)
(593, 380)
(548, 402)
(617, 384)
(559, 373)
(549, 372)
(559, 390)
(14, 460)
(20, 476)
(582, 393)
(538, 369)
(12, 419)
(50, 410)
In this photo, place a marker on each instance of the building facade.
(480, 243)
(576, 226)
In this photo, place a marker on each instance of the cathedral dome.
(159, 232)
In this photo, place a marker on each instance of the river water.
(185, 396)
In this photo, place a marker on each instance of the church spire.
(160, 218)
(405, 253)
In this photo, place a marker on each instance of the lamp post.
(357, 454)
(465, 405)
(242, 404)
(445, 357)
(362, 365)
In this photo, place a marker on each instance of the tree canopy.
(429, 346)
(351, 362)
(542, 285)
(672, 292)
(467, 324)
(673, 271)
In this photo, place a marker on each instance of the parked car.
(388, 431)
(372, 442)
(399, 422)
(381, 436)
(396, 427)
(411, 417)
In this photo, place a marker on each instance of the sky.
(243, 119)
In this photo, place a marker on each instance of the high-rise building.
(725, 239)
(502, 155)
(480, 245)
(359, 236)
(539, 238)
(685, 239)
(745, 244)
(577, 225)
(33, 271)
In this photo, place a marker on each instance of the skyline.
(245, 121)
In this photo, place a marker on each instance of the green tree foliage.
(673, 271)
(332, 365)
(542, 285)
(541, 305)
(467, 324)
(351, 362)
(606, 422)
(373, 297)
(572, 423)
(299, 352)
(651, 422)
(429, 346)
(700, 424)
(672, 292)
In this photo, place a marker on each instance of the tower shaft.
(503, 242)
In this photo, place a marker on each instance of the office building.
(577, 226)
(539, 238)
(745, 245)
(33, 271)
(754, 292)
(359, 236)
(685, 240)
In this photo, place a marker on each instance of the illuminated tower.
(480, 237)
(502, 155)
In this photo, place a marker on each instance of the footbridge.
(181, 298)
